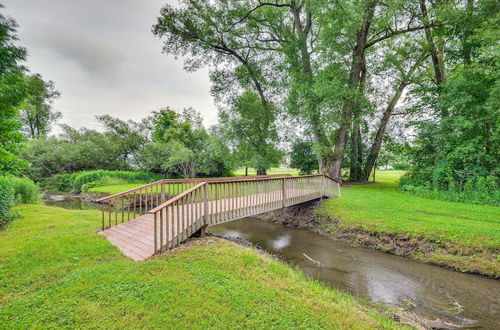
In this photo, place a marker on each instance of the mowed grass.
(116, 188)
(271, 171)
(57, 272)
(459, 229)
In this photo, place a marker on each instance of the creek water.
(431, 292)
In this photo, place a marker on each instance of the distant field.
(252, 171)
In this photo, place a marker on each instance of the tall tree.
(251, 131)
(37, 113)
(12, 94)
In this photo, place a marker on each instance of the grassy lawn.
(272, 171)
(463, 236)
(57, 272)
(116, 188)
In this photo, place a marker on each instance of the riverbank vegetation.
(461, 236)
(56, 272)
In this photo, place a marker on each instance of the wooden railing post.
(102, 209)
(155, 234)
(162, 193)
(205, 204)
(283, 192)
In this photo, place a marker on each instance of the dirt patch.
(299, 216)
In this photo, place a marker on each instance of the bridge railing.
(178, 218)
(209, 203)
(127, 205)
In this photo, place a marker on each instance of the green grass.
(58, 273)
(272, 171)
(116, 188)
(464, 236)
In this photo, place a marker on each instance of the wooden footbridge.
(154, 218)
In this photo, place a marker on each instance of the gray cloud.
(103, 58)
(94, 56)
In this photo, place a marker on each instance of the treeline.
(166, 142)
(354, 82)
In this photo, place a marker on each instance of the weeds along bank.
(464, 237)
(13, 191)
(58, 273)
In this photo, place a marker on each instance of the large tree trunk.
(436, 54)
(356, 157)
(357, 65)
(261, 171)
(377, 142)
(302, 30)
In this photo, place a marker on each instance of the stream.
(431, 292)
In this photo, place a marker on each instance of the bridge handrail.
(176, 198)
(231, 178)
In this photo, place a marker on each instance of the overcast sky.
(104, 59)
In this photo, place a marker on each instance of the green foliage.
(303, 157)
(400, 166)
(215, 160)
(37, 114)
(182, 147)
(457, 151)
(250, 129)
(482, 190)
(12, 94)
(14, 190)
(84, 149)
(81, 178)
(25, 190)
(7, 200)
(59, 182)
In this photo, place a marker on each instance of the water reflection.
(430, 291)
(281, 242)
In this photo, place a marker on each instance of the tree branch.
(395, 33)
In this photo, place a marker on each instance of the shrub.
(81, 178)
(59, 182)
(25, 190)
(7, 199)
(401, 166)
(483, 190)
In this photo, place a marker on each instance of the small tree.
(37, 113)
(303, 157)
(252, 133)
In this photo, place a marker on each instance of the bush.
(7, 199)
(25, 190)
(13, 191)
(401, 166)
(59, 182)
(483, 190)
(81, 178)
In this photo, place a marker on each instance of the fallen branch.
(317, 263)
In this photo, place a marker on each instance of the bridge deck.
(136, 238)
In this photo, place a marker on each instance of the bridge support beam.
(202, 232)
